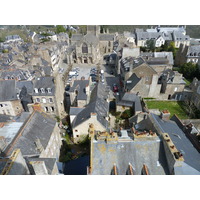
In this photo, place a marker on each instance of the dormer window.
(42, 90)
(49, 90)
(36, 90)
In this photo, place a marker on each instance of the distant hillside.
(192, 30)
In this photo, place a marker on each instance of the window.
(50, 100)
(84, 48)
(44, 100)
(76, 130)
(77, 135)
(5, 104)
(46, 109)
(36, 90)
(175, 89)
(1, 105)
(52, 109)
(42, 90)
(37, 100)
(49, 90)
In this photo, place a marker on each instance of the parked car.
(67, 87)
(115, 88)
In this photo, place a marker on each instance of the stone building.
(44, 94)
(31, 146)
(10, 103)
(159, 61)
(79, 93)
(172, 85)
(139, 78)
(188, 54)
(96, 112)
(39, 137)
(89, 48)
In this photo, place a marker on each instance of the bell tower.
(93, 29)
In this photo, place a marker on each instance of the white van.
(73, 73)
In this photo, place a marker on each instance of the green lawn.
(172, 106)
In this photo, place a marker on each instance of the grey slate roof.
(131, 62)
(10, 130)
(194, 49)
(178, 36)
(147, 35)
(182, 143)
(134, 81)
(97, 105)
(80, 86)
(138, 152)
(40, 127)
(158, 57)
(167, 55)
(8, 90)
(75, 110)
(20, 74)
(91, 39)
(22, 117)
(129, 100)
(27, 84)
(44, 82)
(76, 37)
(5, 118)
(106, 37)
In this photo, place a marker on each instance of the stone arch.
(84, 48)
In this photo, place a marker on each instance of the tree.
(150, 45)
(60, 29)
(189, 70)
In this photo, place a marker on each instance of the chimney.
(165, 115)
(39, 167)
(37, 107)
(93, 115)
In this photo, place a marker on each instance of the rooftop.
(8, 90)
(39, 127)
(182, 143)
(148, 151)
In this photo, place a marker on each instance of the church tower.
(93, 29)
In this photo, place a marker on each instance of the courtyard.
(173, 107)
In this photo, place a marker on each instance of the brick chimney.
(165, 115)
(37, 107)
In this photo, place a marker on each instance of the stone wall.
(49, 108)
(12, 108)
(82, 129)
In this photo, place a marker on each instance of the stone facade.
(81, 130)
(48, 104)
(12, 108)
